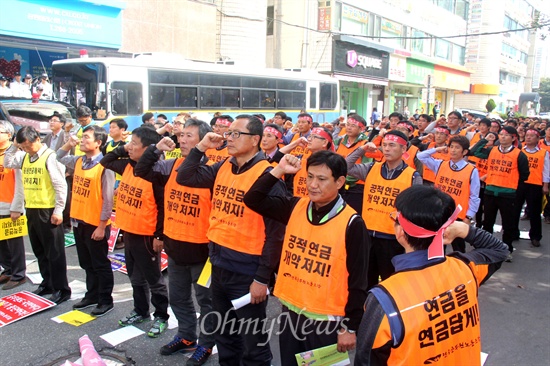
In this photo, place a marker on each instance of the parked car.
(24, 112)
(479, 114)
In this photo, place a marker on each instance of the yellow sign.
(76, 318)
(206, 275)
(10, 229)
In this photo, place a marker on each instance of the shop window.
(270, 20)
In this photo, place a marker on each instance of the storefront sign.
(448, 78)
(324, 19)
(417, 71)
(349, 12)
(355, 59)
(78, 22)
(398, 68)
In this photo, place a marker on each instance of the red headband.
(356, 122)
(408, 126)
(306, 118)
(533, 131)
(395, 138)
(442, 130)
(321, 132)
(224, 121)
(274, 131)
(435, 249)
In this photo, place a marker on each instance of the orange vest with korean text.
(87, 197)
(411, 154)
(427, 174)
(186, 210)
(502, 169)
(536, 166)
(456, 184)
(379, 197)
(344, 151)
(7, 182)
(215, 156)
(136, 207)
(232, 224)
(300, 150)
(299, 182)
(439, 312)
(543, 145)
(475, 139)
(313, 274)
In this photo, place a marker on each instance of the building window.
(270, 20)
(420, 45)
(442, 49)
(458, 54)
(457, 7)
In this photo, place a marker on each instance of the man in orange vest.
(140, 213)
(457, 178)
(383, 182)
(186, 212)
(45, 194)
(429, 306)
(12, 200)
(322, 275)
(91, 208)
(545, 144)
(244, 247)
(532, 190)
(345, 145)
(410, 156)
(507, 167)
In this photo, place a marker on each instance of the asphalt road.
(514, 307)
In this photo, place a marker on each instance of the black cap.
(28, 76)
(44, 76)
(3, 78)
(17, 74)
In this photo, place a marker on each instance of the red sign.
(324, 19)
(20, 305)
(163, 263)
(114, 233)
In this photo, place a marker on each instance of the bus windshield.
(81, 83)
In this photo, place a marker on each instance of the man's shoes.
(133, 318)
(178, 345)
(101, 310)
(84, 303)
(536, 243)
(4, 278)
(159, 326)
(41, 291)
(199, 357)
(547, 220)
(509, 258)
(12, 284)
(60, 296)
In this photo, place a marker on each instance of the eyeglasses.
(54, 120)
(394, 215)
(7, 133)
(311, 137)
(237, 134)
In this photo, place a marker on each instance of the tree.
(544, 92)
(490, 105)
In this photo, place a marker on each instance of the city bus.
(129, 87)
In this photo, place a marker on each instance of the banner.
(20, 305)
(13, 229)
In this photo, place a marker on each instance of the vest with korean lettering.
(502, 168)
(232, 224)
(299, 182)
(536, 166)
(427, 174)
(37, 183)
(379, 197)
(186, 210)
(87, 197)
(313, 274)
(300, 150)
(455, 183)
(174, 154)
(410, 155)
(215, 155)
(344, 151)
(77, 151)
(440, 318)
(7, 182)
(475, 139)
(136, 207)
(543, 145)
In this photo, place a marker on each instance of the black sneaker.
(84, 304)
(178, 345)
(101, 310)
(200, 356)
(133, 318)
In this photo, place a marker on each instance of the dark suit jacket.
(60, 140)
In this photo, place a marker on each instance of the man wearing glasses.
(244, 247)
(56, 138)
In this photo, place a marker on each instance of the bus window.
(186, 98)
(126, 98)
(328, 96)
(219, 80)
(162, 96)
(220, 98)
(312, 98)
(253, 98)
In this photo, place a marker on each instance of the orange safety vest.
(379, 197)
(300, 150)
(186, 210)
(502, 169)
(313, 275)
(411, 151)
(215, 155)
(427, 174)
(7, 182)
(344, 151)
(87, 197)
(543, 145)
(456, 184)
(440, 317)
(232, 224)
(136, 207)
(536, 166)
(475, 139)
(299, 182)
